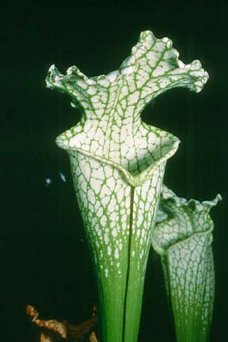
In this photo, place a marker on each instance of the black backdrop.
(44, 260)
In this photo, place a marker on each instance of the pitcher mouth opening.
(137, 170)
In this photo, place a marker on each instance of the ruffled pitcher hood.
(111, 129)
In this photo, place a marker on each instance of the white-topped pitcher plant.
(182, 236)
(118, 164)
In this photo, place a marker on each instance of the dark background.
(44, 260)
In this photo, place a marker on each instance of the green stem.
(126, 297)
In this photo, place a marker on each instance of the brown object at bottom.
(55, 331)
